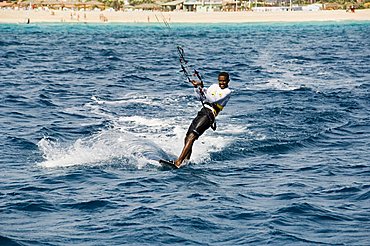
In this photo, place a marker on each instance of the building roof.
(202, 2)
(173, 3)
(147, 6)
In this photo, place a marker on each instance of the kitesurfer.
(213, 99)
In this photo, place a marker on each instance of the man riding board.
(214, 99)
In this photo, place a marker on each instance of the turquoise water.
(87, 110)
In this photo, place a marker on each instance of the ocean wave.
(8, 241)
(90, 205)
(21, 142)
(32, 206)
(311, 212)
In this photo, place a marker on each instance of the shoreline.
(59, 16)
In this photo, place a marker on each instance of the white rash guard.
(215, 96)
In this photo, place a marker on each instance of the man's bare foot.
(177, 163)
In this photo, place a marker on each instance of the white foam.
(79, 153)
(275, 84)
(144, 121)
(108, 146)
(128, 99)
(207, 144)
(233, 130)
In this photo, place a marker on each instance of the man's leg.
(191, 135)
(186, 151)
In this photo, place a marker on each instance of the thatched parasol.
(148, 6)
(5, 4)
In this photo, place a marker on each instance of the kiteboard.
(168, 163)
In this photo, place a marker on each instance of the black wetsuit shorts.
(202, 122)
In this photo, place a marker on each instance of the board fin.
(168, 163)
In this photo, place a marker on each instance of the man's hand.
(197, 83)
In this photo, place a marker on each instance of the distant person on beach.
(214, 99)
(351, 8)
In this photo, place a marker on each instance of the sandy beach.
(56, 16)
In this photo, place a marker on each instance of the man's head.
(223, 80)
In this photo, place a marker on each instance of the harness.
(214, 107)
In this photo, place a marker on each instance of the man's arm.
(198, 88)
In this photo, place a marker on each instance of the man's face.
(223, 82)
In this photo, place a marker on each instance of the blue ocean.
(87, 111)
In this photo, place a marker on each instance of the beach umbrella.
(5, 4)
(148, 6)
(91, 4)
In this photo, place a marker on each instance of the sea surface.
(87, 110)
